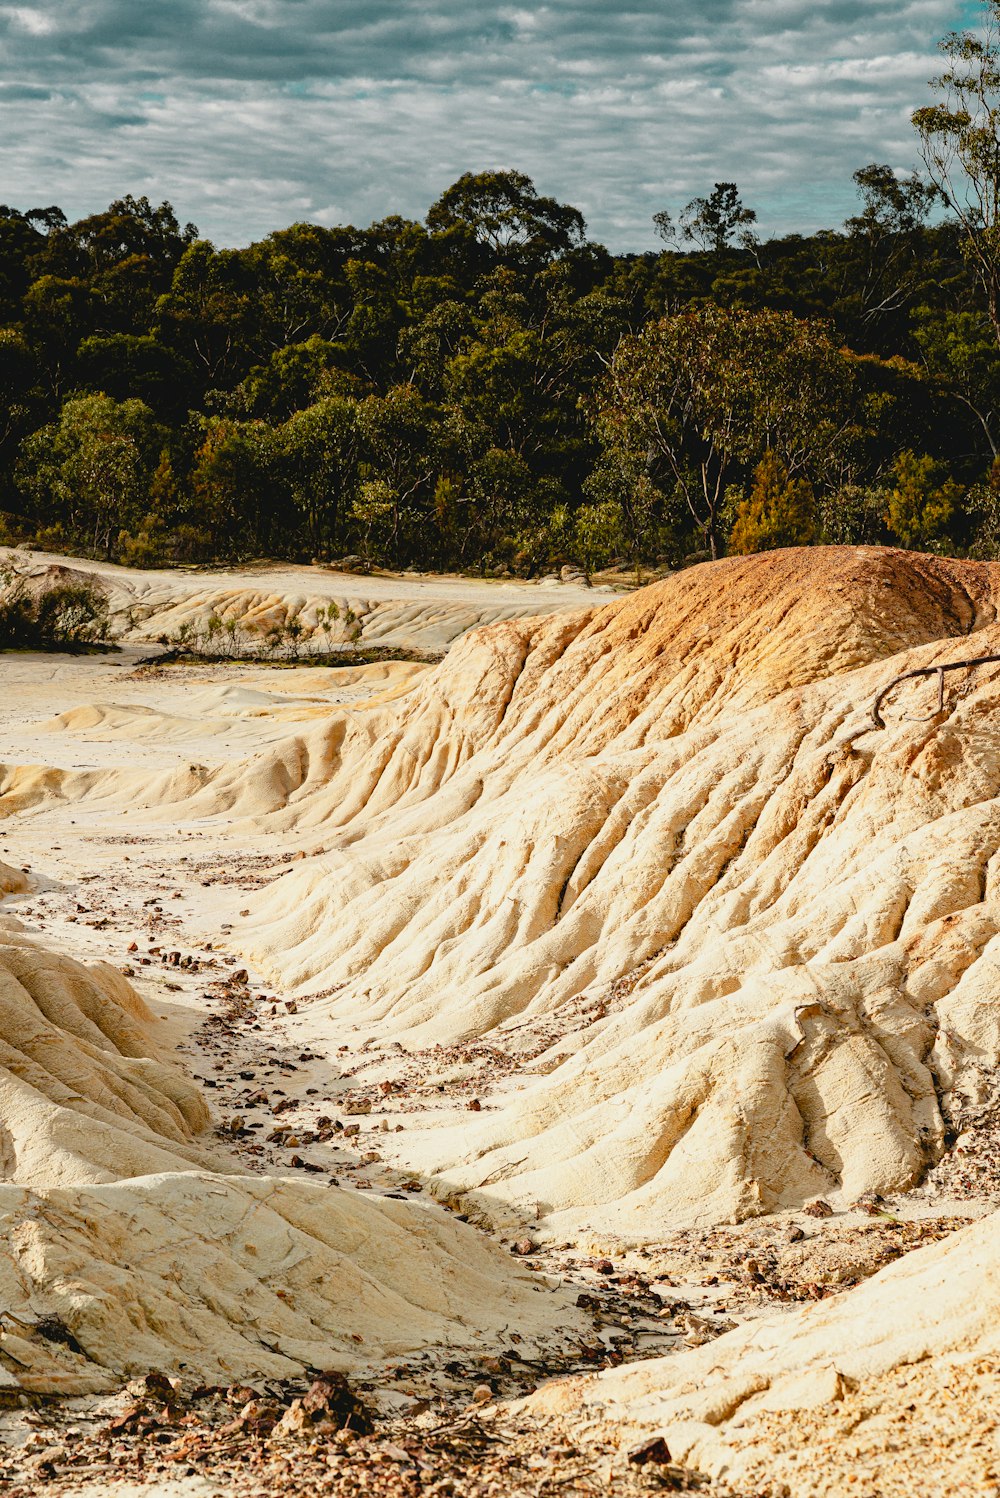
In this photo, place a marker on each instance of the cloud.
(248, 114)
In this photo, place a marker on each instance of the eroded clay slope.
(11, 880)
(292, 604)
(747, 942)
(223, 1278)
(890, 1389)
(750, 947)
(85, 1095)
(126, 1245)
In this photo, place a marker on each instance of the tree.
(712, 223)
(320, 450)
(18, 377)
(960, 145)
(128, 254)
(922, 502)
(90, 471)
(779, 511)
(504, 212)
(398, 441)
(961, 355)
(58, 313)
(292, 379)
(127, 364)
(208, 314)
(233, 480)
(300, 282)
(696, 400)
(887, 231)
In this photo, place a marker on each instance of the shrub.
(780, 511)
(59, 616)
(922, 501)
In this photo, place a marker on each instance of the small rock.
(818, 1208)
(49, 1456)
(655, 1450)
(155, 1386)
(330, 1402)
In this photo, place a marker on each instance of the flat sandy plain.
(587, 1044)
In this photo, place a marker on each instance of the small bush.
(61, 616)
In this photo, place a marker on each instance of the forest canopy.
(490, 390)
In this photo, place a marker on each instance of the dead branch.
(938, 671)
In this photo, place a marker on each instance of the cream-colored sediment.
(130, 1238)
(744, 945)
(753, 939)
(138, 1243)
(890, 1389)
(409, 611)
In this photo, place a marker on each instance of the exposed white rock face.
(760, 940)
(412, 613)
(127, 1235)
(891, 1388)
(755, 944)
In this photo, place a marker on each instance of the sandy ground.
(158, 901)
(408, 587)
(158, 898)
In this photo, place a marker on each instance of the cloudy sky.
(250, 114)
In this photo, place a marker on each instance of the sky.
(249, 115)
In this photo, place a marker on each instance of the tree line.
(491, 390)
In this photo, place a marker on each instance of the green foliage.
(697, 399)
(960, 143)
(503, 211)
(714, 223)
(53, 616)
(779, 510)
(232, 478)
(488, 390)
(922, 501)
(90, 471)
(599, 534)
(319, 450)
(982, 503)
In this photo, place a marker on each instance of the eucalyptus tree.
(960, 144)
(694, 402)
